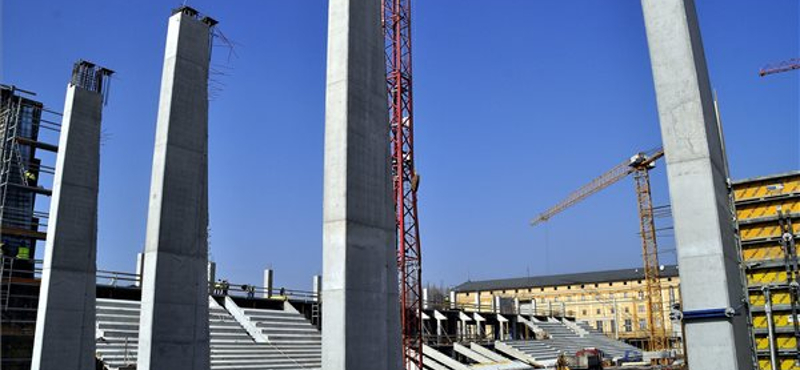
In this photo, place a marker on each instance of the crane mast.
(396, 18)
(639, 166)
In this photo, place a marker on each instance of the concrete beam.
(65, 322)
(360, 322)
(708, 255)
(173, 332)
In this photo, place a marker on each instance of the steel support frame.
(396, 19)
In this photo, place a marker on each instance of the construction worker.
(30, 177)
(225, 287)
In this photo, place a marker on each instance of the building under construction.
(768, 209)
(22, 120)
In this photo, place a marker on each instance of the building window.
(641, 308)
(612, 310)
(625, 295)
(582, 286)
(610, 284)
(613, 325)
(627, 310)
(598, 325)
(669, 279)
(541, 289)
(671, 295)
(583, 297)
(595, 285)
(638, 282)
(598, 311)
(628, 325)
(642, 324)
(516, 291)
(641, 294)
(585, 313)
(556, 288)
(625, 283)
(569, 287)
(467, 294)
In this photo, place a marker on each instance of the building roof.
(563, 279)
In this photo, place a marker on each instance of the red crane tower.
(396, 18)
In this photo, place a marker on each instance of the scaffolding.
(24, 122)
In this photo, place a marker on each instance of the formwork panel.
(761, 205)
(765, 188)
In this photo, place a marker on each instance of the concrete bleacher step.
(232, 348)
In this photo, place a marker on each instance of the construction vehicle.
(588, 359)
(639, 166)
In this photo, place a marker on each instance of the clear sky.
(518, 102)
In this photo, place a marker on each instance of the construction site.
(730, 300)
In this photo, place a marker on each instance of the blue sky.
(518, 102)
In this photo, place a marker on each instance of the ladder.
(316, 314)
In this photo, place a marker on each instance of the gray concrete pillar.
(139, 268)
(361, 328)
(65, 322)
(212, 275)
(317, 286)
(704, 230)
(425, 298)
(269, 282)
(477, 301)
(453, 303)
(517, 309)
(173, 331)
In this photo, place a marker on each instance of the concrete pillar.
(517, 306)
(317, 286)
(361, 319)
(268, 283)
(477, 301)
(173, 331)
(533, 306)
(212, 275)
(65, 322)
(496, 304)
(453, 303)
(425, 298)
(704, 230)
(139, 268)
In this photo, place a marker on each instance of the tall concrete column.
(317, 288)
(268, 283)
(173, 332)
(65, 322)
(361, 328)
(711, 281)
(139, 269)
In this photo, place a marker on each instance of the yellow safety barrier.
(780, 319)
(766, 252)
(778, 297)
(763, 277)
(762, 189)
(764, 230)
(767, 209)
(785, 364)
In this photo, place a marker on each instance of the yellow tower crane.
(639, 166)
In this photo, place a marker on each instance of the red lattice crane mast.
(784, 66)
(396, 18)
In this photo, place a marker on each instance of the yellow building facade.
(610, 301)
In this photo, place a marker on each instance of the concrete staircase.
(612, 347)
(290, 332)
(231, 346)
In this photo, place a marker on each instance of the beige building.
(610, 301)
